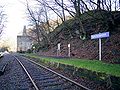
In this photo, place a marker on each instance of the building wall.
(23, 43)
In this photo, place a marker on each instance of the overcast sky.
(16, 19)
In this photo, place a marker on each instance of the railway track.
(29, 76)
(43, 78)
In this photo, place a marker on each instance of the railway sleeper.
(48, 75)
(55, 83)
(61, 87)
(50, 80)
(45, 78)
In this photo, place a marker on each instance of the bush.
(29, 51)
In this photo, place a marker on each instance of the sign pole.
(57, 52)
(100, 49)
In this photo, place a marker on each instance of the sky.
(16, 19)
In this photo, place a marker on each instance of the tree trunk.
(63, 11)
(78, 14)
(98, 4)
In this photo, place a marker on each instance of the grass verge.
(93, 65)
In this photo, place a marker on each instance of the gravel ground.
(46, 80)
(14, 77)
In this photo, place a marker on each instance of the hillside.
(93, 22)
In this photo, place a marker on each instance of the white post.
(33, 49)
(100, 47)
(58, 49)
(68, 50)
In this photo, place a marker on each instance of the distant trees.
(2, 49)
(2, 19)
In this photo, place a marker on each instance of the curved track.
(44, 78)
(32, 81)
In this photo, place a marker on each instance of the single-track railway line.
(44, 78)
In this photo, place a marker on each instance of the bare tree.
(2, 19)
(52, 5)
(76, 13)
(38, 17)
(46, 17)
(98, 4)
(34, 20)
(74, 8)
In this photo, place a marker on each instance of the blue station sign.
(100, 35)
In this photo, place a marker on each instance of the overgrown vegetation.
(88, 17)
(93, 65)
(76, 21)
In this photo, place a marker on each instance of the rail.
(32, 81)
(58, 74)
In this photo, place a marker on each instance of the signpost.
(99, 36)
